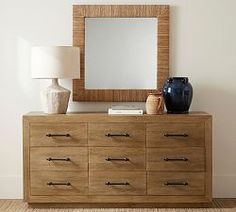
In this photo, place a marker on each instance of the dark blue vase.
(177, 93)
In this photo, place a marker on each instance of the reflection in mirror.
(121, 53)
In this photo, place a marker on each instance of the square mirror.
(121, 53)
(124, 51)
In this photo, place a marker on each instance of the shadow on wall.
(28, 87)
(174, 11)
(221, 104)
(100, 106)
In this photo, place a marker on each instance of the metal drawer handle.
(176, 135)
(117, 159)
(117, 184)
(57, 135)
(176, 183)
(118, 135)
(63, 184)
(58, 159)
(176, 159)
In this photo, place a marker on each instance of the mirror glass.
(121, 53)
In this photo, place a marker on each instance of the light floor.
(219, 205)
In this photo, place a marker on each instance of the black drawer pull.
(117, 159)
(58, 135)
(58, 159)
(175, 159)
(55, 184)
(117, 184)
(175, 183)
(176, 135)
(118, 135)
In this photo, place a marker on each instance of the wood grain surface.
(80, 12)
(187, 159)
(136, 180)
(97, 134)
(157, 134)
(88, 171)
(156, 183)
(78, 181)
(77, 132)
(77, 158)
(98, 158)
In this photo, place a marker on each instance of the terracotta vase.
(155, 103)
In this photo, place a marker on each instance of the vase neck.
(55, 82)
(179, 79)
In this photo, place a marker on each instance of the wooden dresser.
(94, 158)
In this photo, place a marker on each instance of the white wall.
(203, 47)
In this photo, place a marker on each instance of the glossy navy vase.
(177, 93)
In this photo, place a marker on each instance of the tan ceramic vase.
(155, 103)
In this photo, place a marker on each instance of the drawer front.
(179, 183)
(117, 134)
(59, 158)
(55, 134)
(116, 158)
(58, 183)
(117, 183)
(175, 134)
(176, 159)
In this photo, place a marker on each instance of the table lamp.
(55, 62)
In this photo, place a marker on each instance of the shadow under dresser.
(95, 158)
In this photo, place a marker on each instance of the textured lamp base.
(55, 98)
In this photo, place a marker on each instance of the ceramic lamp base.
(55, 98)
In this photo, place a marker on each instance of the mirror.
(121, 53)
(124, 51)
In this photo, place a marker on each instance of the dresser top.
(39, 113)
(97, 117)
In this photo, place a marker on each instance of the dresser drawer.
(59, 158)
(117, 134)
(176, 159)
(178, 183)
(116, 158)
(172, 134)
(117, 183)
(58, 183)
(58, 134)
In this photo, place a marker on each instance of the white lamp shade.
(55, 62)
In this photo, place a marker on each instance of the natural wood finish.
(39, 180)
(80, 12)
(114, 127)
(78, 158)
(136, 180)
(98, 156)
(208, 147)
(139, 151)
(156, 183)
(109, 199)
(26, 156)
(92, 118)
(156, 134)
(119, 207)
(195, 159)
(224, 203)
(77, 131)
(97, 134)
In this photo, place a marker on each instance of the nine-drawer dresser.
(94, 158)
